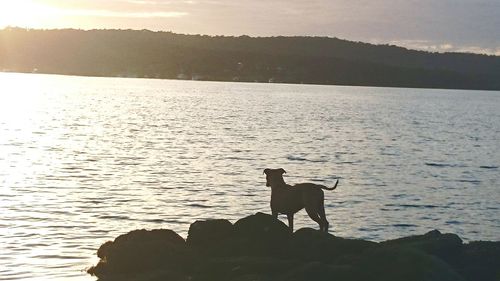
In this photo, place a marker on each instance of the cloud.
(106, 10)
(437, 46)
(115, 14)
(140, 2)
(434, 25)
(479, 50)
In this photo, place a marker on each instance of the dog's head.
(274, 176)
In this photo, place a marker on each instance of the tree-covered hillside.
(318, 60)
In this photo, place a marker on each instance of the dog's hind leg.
(290, 221)
(313, 214)
(322, 217)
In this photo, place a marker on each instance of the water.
(83, 160)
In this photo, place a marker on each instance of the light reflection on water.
(83, 160)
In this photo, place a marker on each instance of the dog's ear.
(282, 171)
(266, 171)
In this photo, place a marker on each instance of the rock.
(394, 263)
(317, 271)
(262, 248)
(262, 225)
(210, 237)
(261, 234)
(142, 251)
(242, 268)
(480, 261)
(446, 246)
(314, 245)
(252, 277)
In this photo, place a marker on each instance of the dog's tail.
(331, 188)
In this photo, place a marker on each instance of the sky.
(433, 25)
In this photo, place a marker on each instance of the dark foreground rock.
(260, 248)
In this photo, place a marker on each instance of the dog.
(288, 200)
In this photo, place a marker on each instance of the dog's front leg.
(290, 221)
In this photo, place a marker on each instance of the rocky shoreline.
(261, 248)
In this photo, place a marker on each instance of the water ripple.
(83, 160)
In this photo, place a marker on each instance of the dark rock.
(252, 277)
(394, 263)
(446, 246)
(317, 271)
(210, 237)
(261, 265)
(241, 268)
(314, 245)
(480, 261)
(142, 251)
(262, 248)
(261, 234)
(261, 225)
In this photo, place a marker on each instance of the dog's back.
(310, 193)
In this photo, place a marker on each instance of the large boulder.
(261, 235)
(143, 252)
(210, 237)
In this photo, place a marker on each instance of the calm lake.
(84, 159)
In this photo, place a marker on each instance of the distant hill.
(312, 60)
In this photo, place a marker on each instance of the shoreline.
(252, 82)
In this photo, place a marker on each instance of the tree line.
(309, 60)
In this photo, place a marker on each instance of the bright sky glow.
(433, 25)
(24, 13)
